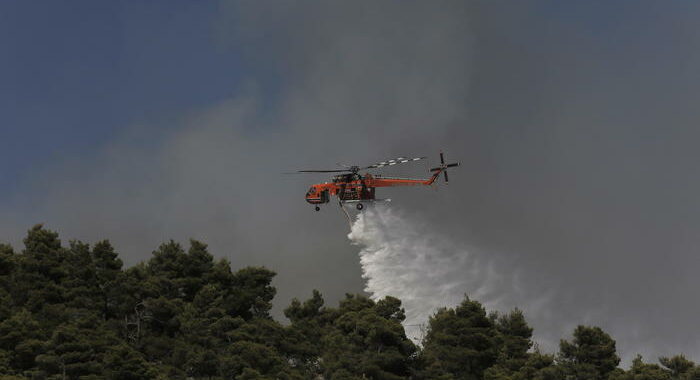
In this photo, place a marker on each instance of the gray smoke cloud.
(575, 125)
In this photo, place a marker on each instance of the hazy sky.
(575, 123)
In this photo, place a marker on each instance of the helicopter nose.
(311, 197)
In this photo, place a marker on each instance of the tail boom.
(388, 181)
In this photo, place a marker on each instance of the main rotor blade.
(445, 167)
(399, 160)
(442, 159)
(447, 179)
(323, 171)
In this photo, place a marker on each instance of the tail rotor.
(443, 167)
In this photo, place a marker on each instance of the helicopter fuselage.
(356, 187)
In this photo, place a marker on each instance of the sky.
(575, 123)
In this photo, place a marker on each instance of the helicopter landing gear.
(317, 208)
(360, 206)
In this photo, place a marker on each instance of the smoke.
(402, 257)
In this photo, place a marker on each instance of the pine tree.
(21, 337)
(514, 342)
(76, 349)
(108, 277)
(591, 354)
(121, 362)
(641, 371)
(460, 343)
(680, 367)
(364, 338)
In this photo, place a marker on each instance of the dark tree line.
(75, 313)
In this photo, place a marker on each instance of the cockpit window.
(311, 191)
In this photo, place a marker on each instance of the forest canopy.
(75, 312)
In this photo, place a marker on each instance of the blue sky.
(74, 74)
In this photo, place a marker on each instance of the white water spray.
(425, 270)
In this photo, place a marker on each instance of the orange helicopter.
(353, 187)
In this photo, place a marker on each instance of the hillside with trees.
(74, 312)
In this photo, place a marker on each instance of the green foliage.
(514, 361)
(359, 339)
(461, 342)
(76, 349)
(20, 337)
(253, 294)
(122, 362)
(591, 354)
(108, 279)
(642, 371)
(365, 338)
(7, 261)
(515, 336)
(75, 313)
(539, 367)
(680, 367)
(303, 341)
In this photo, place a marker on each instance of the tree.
(303, 336)
(359, 339)
(591, 354)
(7, 260)
(679, 366)
(20, 335)
(108, 278)
(642, 371)
(80, 284)
(513, 343)
(75, 312)
(390, 308)
(7, 266)
(365, 338)
(43, 253)
(41, 270)
(250, 360)
(196, 264)
(121, 362)
(252, 293)
(539, 367)
(514, 334)
(461, 342)
(164, 268)
(76, 349)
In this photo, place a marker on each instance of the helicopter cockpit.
(346, 177)
(312, 193)
(316, 195)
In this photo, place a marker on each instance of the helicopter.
(352, 187)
